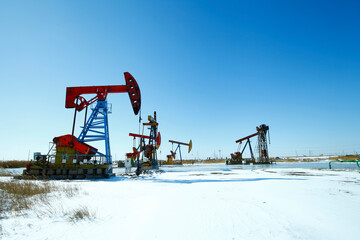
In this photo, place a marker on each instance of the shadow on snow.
(190, 181)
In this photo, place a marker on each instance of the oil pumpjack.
(172, 155)
(148, 159)
(262, 147)
(74, 158)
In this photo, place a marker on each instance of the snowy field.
(203, 202)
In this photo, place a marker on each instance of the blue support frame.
(97, 125)
(178, 147)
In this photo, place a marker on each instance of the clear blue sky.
(213, 71)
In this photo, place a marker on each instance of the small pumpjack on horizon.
(172, 155)
(262, 147)
(148, 150)
(74, 158)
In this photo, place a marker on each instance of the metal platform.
(96, 172)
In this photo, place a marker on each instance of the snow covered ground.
(203, 202)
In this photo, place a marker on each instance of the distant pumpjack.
(149, 159)
(262, 133)
(172, 154)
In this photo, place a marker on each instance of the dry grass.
(346, 157)
(74, 215)
(6, 174)
(192, 161)
(13, 164)
(50, 211)
(70, 191)
(286, 160)
(16, 196)
(81, 213)
(26, 188)
(214, 161)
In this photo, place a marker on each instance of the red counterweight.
(71, 141)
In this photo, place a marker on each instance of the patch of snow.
(197, 202)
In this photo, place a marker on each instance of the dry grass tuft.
(16, 196)
(70, 190)
(6, 174)
(13, 164)
(26, 188)
(81, 213)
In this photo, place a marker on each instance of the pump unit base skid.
(105, 171)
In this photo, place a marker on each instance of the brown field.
(13, 164)
(191, 161)
(346, 157)
(285, 160)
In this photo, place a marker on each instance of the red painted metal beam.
(74, 93)
(158, 137)
(245, 138)
(139, 135)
